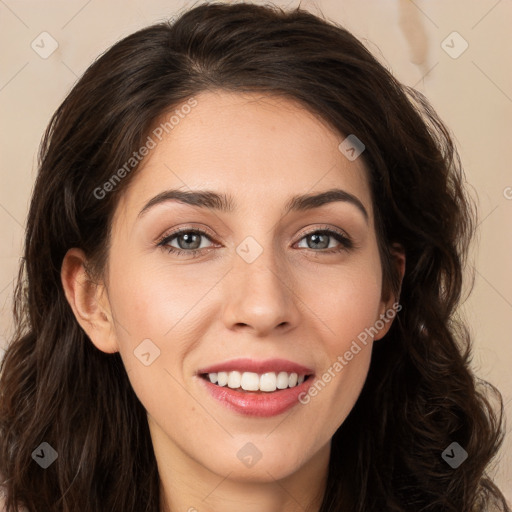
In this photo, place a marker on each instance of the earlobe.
(88, 301)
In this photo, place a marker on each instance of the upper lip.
(257, 366)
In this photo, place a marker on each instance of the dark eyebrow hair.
(226, 203)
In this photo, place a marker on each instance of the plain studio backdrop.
(457, 53)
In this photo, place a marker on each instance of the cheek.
(159, 319)
(349, 310)
(156, 301)
(156, 326)
(348, 303)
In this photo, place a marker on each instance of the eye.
(190, 244)
(322, 238)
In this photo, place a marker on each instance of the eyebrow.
(226, 203)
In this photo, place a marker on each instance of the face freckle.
(290, 301)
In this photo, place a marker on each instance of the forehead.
(258, 148)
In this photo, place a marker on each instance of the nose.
(260, 296)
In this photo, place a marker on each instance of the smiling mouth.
(255, 383)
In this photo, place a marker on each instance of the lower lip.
(258, 404)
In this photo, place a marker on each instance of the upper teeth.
(250, 381)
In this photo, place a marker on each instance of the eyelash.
(346, 243)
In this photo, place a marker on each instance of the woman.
(302, 352)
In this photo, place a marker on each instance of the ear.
(391, 307)
(89, 301)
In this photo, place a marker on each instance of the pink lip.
(257, 403)
(250, 365)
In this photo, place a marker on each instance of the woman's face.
(269, 299)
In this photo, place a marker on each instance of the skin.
(294, 301)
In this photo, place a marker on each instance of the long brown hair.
(420, 394)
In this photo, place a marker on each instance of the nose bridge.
(259, 294)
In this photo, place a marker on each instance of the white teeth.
(282, 380)
(234, 379)
(250, 381)
(222, 378)
(268, 382)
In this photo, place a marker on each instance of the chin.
(258, 461)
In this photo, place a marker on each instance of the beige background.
(472, 93)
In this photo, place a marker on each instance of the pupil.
(315, 236)
(188, 237)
